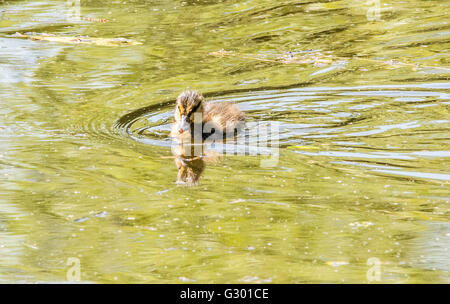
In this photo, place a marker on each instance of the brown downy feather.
(223, 115)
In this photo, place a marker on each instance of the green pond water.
(362, 101)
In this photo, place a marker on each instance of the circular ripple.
(149, 125)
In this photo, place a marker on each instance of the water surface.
(363, 169)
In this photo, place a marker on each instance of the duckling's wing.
(223, 114)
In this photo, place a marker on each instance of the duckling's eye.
(194, 108)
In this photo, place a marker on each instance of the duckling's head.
(189, 105)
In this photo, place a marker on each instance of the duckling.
(193, 114)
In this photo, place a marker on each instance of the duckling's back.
(223, 115)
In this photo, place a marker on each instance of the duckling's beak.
(183, 125)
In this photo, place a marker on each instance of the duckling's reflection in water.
(190, 166)
(196, 123)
